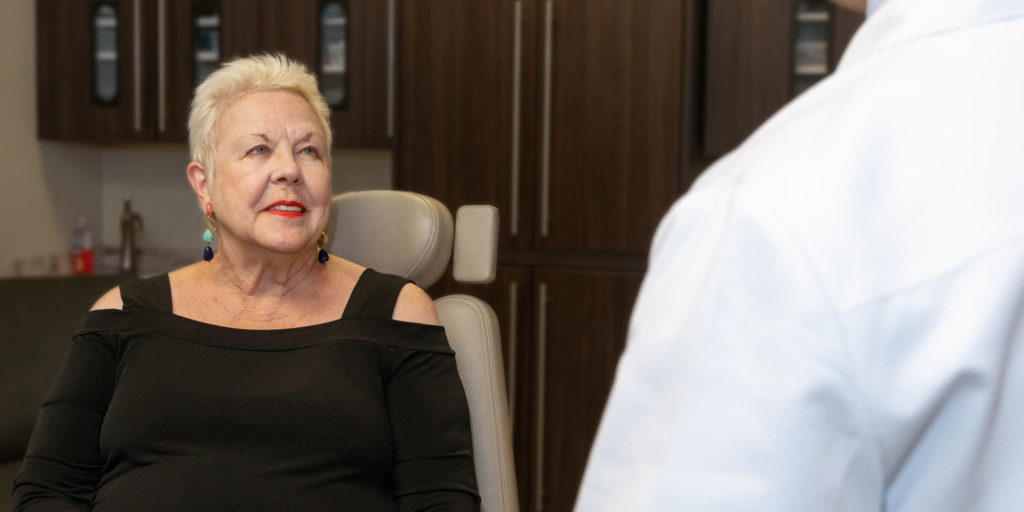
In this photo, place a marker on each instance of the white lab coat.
(833, 316)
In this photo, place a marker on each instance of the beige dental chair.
(412, 235)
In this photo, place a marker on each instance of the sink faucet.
(130, 224)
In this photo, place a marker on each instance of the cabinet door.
(509, 295)
(289, 27)
(611, 117)
(346, 43)
(93, 76)
(582, 318)
(465, 87)
(364, 117)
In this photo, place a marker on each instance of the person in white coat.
(833, 316)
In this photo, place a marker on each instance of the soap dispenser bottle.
(81, 248)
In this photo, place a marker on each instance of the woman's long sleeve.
(63, 463)
(433, 468)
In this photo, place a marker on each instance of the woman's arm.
(63, 465)
(433, 467)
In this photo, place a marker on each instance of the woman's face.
(272, 186)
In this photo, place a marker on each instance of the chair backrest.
(414, 236)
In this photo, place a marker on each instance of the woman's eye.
(259, 150)
(311, 151)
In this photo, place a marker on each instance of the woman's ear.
(199, 178)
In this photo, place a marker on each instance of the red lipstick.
(286, 209)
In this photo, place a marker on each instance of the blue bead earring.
(322, 255)
(211, 222)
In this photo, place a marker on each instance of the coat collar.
(895, 22)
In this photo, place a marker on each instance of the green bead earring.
(208, 234)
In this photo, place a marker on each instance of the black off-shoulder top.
(157, 412)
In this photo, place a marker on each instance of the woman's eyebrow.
(260, 135)
(306, 137)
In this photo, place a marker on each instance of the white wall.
(45, 186)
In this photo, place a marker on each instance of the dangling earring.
(211, 223)
(322, 255)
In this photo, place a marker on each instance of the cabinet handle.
(513, 309)
(161, 65)
(391, 69)
(137, 66)
(538, 461)
(545, 163)
(517, 66)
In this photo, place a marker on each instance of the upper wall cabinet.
(566, 114)
(762, 53)
(91, 82)
(142, 60)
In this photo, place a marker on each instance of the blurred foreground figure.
(833, 318)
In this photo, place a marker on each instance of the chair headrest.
(396, 232)
(475, 258)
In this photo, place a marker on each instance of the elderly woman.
(271, 376)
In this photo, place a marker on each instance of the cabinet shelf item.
(812, 16)
(812, 70)
(207, 56)
(811, 46)
(333, 47)
(105, 83)
(209, 21)
(206, 43)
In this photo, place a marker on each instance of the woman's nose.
(285, 168)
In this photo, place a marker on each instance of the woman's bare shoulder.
(414, 305)
(112, 298)
(109, 300)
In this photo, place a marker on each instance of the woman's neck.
(261, 273)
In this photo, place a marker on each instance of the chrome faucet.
(131, 223)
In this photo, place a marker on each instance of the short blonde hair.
(242, 76)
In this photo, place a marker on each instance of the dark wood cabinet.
(166, 47)
(583, 316)
(756, 61)
(609, 149)
(92, 84)
(156, 52)
(566, 114)
(466, 83)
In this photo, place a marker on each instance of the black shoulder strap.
(374, 295)
(151, 293)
